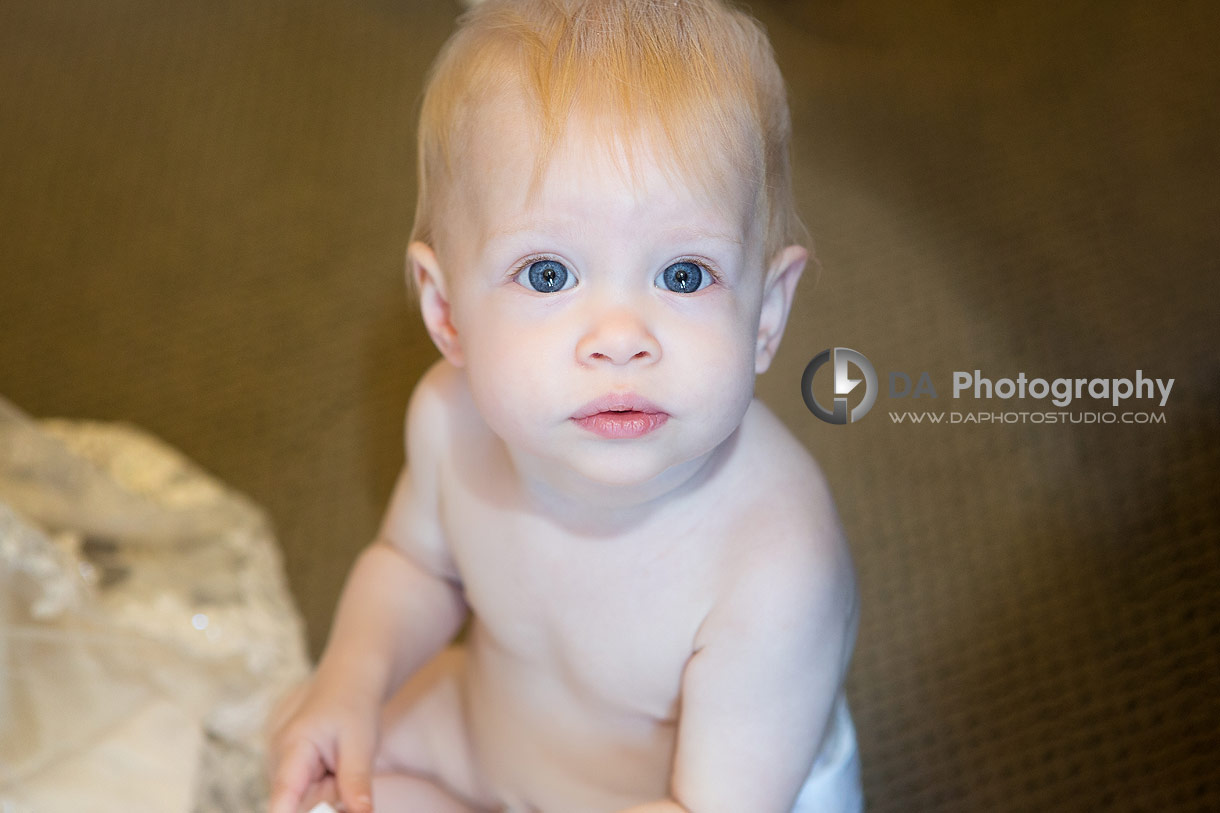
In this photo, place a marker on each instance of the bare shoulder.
(785, 489)
(441, 413)
(412, 520)
(788, 560)
(432, 400)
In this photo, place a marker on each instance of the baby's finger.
(324, 790)
(354, 775)
(295, 772)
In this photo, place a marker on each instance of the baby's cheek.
(729, 372)
(728, 347)
(512, 378)
(498, 401)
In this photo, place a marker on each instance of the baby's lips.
(623, 425)
(618, 402)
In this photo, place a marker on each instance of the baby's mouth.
(620, 416)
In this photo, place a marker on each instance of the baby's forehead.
(505, 162)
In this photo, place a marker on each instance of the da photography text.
(1088, 397)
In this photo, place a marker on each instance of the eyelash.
(704, 264)
(528, 261)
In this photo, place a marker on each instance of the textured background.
(203, 212)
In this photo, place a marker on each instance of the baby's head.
(693, 79)
(605, 209)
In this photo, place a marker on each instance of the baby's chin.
(630, 472)
(612, 472)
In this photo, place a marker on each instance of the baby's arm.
(768, 668)
(401, 604)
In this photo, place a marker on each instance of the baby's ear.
(424, 271)
(778, 291)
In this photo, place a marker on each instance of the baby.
(662, 606)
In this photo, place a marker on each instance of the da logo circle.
(844, 384)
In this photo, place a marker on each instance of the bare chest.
(610, 620)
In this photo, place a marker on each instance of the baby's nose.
(618, 337)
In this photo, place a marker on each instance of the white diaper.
(833, 785)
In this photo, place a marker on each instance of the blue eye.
(684, 277)
(545, 276)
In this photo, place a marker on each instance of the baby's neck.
(590, 508)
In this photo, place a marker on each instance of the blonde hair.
(695, 74)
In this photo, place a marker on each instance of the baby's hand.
(321, 739)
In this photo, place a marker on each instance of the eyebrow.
(534, 226)
(682, 233)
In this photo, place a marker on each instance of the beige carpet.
(204, 206)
